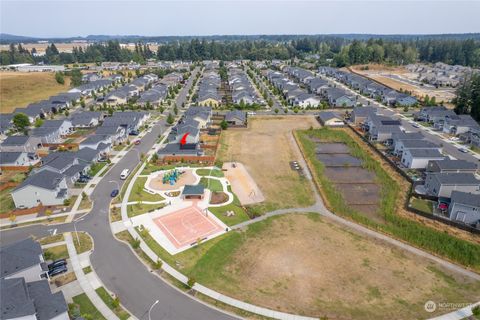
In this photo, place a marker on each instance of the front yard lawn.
(6, 201)
(110, 302)
(55, 253)
(85, 308)
(86, 243)
(96, 167)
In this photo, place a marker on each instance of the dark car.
(114, 193)
(134, 133)
(57, 263)
(85, 176)
(58, 270)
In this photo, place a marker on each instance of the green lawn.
(212, 184)
(96, 167)
(212, 173)
(109, 301)
(57, 252)
(141, 208)
(422, 205)
(86, 307)
(51, 239)
(240, 214)
(138, 194)
(87, 270)
(6, 201)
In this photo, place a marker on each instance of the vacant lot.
(18, 89)
(307, 264)
(266, 148)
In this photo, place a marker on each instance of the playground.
(171, 180)
(242, 183)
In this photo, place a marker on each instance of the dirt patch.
(186, 177)
(218, 197)
(349, 175)
(359, 193)
(338, 160)
(242, 183)
(265, 148)
(326, 147)
(312, 266)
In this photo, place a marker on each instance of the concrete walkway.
(84, 282)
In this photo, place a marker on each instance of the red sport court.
(186, 226)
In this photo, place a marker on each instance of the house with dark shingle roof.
(236, 118)
(418, 158)
(17, 159)
(443, 184)
(45, 187)
(330, 119)
(20, 144)
(193, 191)
(464, 207)
(451, 166)
(87, 119)
(22, 259)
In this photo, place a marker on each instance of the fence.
(210, 160)
(15, 168)
(8, 184)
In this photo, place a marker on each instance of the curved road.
(114, 262)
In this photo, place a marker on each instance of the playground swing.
(171, 177)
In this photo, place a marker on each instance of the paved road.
(116, 265)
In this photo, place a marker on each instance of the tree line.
(335, 51)
(467, 100)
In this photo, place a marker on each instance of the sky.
(163, 18)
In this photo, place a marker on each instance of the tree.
(224, 125)
(270, 102)
(175, 110)
(170, 119)
(20, 121)
(76, 78)
(48, 214)
(476, 311)
(38, 123)
(116, 302)
(276, 110)
(191, 282)
(59, 78)
(12, 217)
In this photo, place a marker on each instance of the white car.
(251, 113)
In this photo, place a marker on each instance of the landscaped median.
(440, 243)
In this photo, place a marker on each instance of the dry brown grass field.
(266, 148)
(310, 265)
(18, 89)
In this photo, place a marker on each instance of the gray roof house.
(464, 207)
(330, 119)
(20, 144)
(16, 159)
(22, 259)
(340, 98)
(360, 114)
(86, 119)
(451, 166)
(401, 145)
(419, 158)
(45, 187)
(459, 124)
(442, 184)
(236, 118)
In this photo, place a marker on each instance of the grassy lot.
(141, 208)
(51, 239)
(240, 214)
(86, 243)
(110, 302)
(212, 173)
(57, 252)
(266, 148)
(85, 307)
(440, 243)
(275, 261)
(422, 205)
(138, 194)
(96, 167)
(18, 89)
(212, 184)
(6, 201)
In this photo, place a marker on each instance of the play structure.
(171, 177)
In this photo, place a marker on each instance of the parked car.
(464, 150)
(85, 176)
(137, 142)
(82, 180)
(134, 133)
(56, 271)
(114, 193)
(415, 125)
(57, 263)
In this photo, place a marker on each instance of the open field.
(64, 47)
(399, 78)
(309, 265)
(18, 89)
(266, 148)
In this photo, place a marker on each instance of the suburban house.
(24, 290)
(464, 207)
(360, 114)
(45, 187)
(306, 100)
(116, 97)
(97, 142)
(118, 133)
(419, 158)
(401, 145)
(46, 134)
(27, 144)
(339, 98)
(318, 85)
(330, 119)
(89, 77)
(459, 124)
(200, 114)
(86, 119)
(17, 159)
(236, 118)
(451, 166)
(442, 184)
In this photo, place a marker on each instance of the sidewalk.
(84, 282)
(28, 218)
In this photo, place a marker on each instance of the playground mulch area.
(266, 148)
(218, 197)
(185, 178)
(310, 265)
(187, 226)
